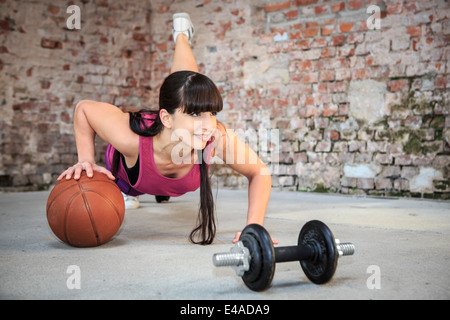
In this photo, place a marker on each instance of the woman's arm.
(111, 125)
(240, 157)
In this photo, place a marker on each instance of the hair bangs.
(200, 94)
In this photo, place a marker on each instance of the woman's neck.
(167, 149)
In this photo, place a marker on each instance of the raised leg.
(183, 58)
(183, 32)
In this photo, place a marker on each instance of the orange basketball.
(87, 212)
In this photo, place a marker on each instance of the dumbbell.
(254, 257)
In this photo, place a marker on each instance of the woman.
(167, 152)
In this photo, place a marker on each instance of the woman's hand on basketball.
(238, 235)
(87, 166)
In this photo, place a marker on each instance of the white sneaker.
(182, 24)
(130, 202)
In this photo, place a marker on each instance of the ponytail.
(206, 223)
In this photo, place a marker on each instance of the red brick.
(277, 6)
(442, 82)
(339, 86)
(345, 27)
(355, 38)
(394, 8)
(138, 36)
(277, 31)
(339, 63)
(410, 6)
(327, 75)
(414, 31)
(311, 77)
(319, 65)
(274, 49)
(398, 85)
(309, 100)
(4, 25)
(338, 40)
(336, 7)
(304, 44)
(321, 9)
(304, 65)
(265, 38)
(343, 109)
(287, 46)
(312, 112)
(361, 25)
(328, 52)
(327, 30)
(355, 4)
(334, 135)
(311, 32)
(162, 47)
(300, 3)
(291, 14)
(321, 88)
(45, 84)
(50, 44)
(329, 111)
(311, 24)
(295, 35)
(53, 9)
(319, 43)
(343, 74)
(346, 51)
(297, 26)
(360, 74)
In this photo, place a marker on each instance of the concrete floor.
(150, 258)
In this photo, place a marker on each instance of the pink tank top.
(150, 181)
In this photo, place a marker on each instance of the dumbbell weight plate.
(262, 265)
(321, 268)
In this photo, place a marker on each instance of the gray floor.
(150, 258)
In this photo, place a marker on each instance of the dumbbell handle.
(293, 253)
(307, 252)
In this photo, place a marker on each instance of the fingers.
(105, 171)
(236, 238)
(89, 170)
(110, 175)
(238, 235)
(76, 170)
(67, 174)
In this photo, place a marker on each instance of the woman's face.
(194, 129)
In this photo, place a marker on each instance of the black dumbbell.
(254, 256)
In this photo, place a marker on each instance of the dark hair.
(195, 93)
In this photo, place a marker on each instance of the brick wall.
(46, 68)
(329, 103)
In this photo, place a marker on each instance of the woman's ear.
(166, 118)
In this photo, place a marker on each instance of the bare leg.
(183, 58)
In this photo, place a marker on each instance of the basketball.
(87, 212)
